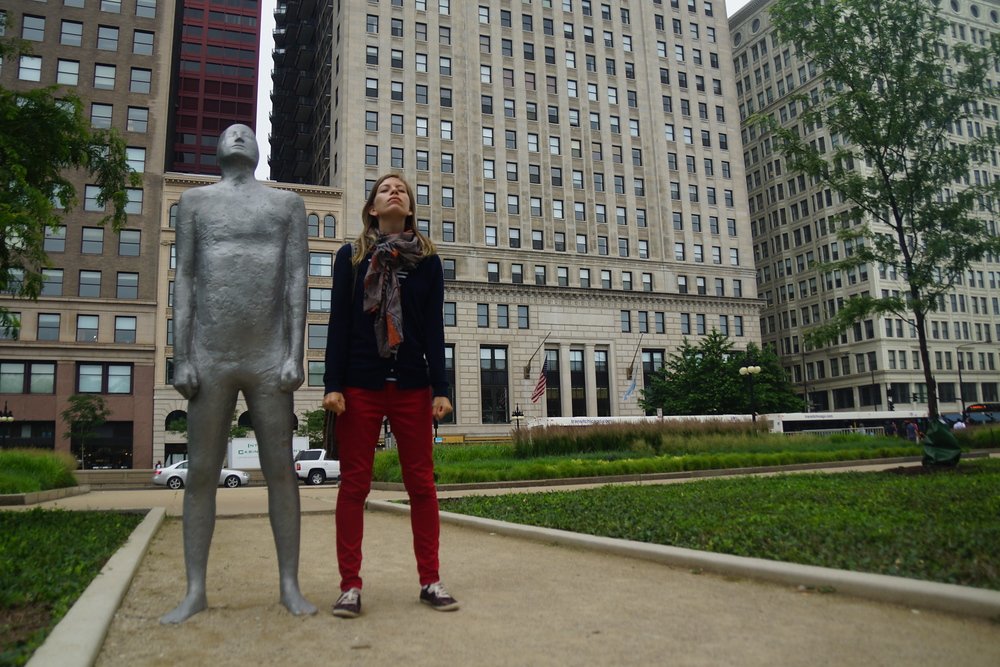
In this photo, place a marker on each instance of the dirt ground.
(523, 603)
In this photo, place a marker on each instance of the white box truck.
(243, 455)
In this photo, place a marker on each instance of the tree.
(85, 414)
(311, 426)
(705, 380)
(44, 137)
(892, 90)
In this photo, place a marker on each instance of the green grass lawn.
(47, 559)
(939, 526)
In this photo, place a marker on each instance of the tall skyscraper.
(576, 163)
(214, 82)
(92, 329)
(794, 225)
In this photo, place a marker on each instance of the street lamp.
(6, 417)
(961, 387)
(517, 416)
(750, 371)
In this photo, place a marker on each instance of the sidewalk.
(524, 602)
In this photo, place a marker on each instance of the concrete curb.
(950, 598)
(77, 639)
(684, 474)
(35, 497)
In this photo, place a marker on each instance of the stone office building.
(577, 163)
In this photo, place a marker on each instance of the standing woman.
(385, 358)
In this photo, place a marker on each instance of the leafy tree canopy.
(44, 137)
(900, 104)
(704, 379)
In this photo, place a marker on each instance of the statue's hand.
(186, 380)
(291, 376)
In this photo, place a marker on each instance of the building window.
(320, 264)
(493, 380)
(52, 282)
(523, 317)
(48, 326)
(55, 239)
(30, 68)
(317, 336)
(127, 286)
(71, 33)
(482, 315)
(140, 80)
(138, 119)
(68, 72)
(142, 43)
(107, 38)
(27, 377)
(450, 314)
(125, 327)
(319, 299)
(145, 8)
(316, 371)
(86, 328)
(93, 241)
(90, 284)
(104, 378)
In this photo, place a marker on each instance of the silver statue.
(239, 317)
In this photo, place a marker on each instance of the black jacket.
(352, 358)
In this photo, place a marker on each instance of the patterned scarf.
(393, 252)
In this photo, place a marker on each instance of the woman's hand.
(334, 402)
(440, 408)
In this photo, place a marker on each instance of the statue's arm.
(185, 376)
(296, 279)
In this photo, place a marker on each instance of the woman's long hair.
(369, 224)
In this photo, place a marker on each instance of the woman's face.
(391, 200)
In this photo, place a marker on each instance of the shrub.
(29, 470)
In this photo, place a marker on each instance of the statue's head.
(237, 144)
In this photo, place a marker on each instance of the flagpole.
(630, 371)
(527, 368)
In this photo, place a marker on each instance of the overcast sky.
(266, 65)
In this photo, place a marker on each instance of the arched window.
(244, 420)
(313, 225)
(172, 221)
(329, 227)
(174, 418)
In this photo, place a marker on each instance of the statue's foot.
(190, 606)
(297, 604)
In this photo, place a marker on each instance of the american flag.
(541, 384)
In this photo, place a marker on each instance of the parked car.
(313, 466)
(175, 476)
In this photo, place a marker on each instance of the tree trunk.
(932, 403)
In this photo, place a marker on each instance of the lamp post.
(6, 417)
(961, 383)
(875, 391)
(750, 371)
(517, 416)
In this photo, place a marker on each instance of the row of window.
(140, 79)
(642, 324)
(39, 377)
(87, 327)
(71, 34)
(88, 285)
(92, 241)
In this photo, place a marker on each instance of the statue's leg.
(209, 416)
(271, 413)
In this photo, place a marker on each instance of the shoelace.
(349, 597)
(437, 590)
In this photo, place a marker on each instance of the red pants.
(409, 413)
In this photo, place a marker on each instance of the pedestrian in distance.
(385, 359)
